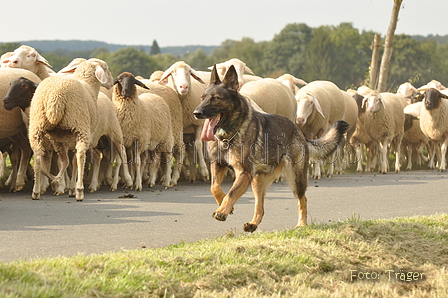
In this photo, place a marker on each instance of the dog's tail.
(328, 143)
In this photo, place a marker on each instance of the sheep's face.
(305, 107)
(433, 98)
(125, 85)
(182, 79)
(25, 57)
(20, 92)
(307, 104)
(373, 103)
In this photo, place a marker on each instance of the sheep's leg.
(138, 172)
(25, 157)
(359, 158)
(178, 156)
(37, 176)
(58, 182)
(96, 162)
(397, 146)
(15, 161)
(167, 163)
(122, 163)
(442, 166)
(383, 156)
(420, 153)
(80, 163)
(153, 168)
(203, 171)
(318, 167)
(409, 154)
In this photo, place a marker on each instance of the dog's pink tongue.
(207, 130)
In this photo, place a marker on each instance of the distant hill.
(81, 45)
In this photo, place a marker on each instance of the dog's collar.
(226, 142)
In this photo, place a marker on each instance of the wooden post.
(388, 47)
(374, 63)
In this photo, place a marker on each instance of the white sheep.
(172, 99)
(360, 136)
(291, 82)
(240, 67)
(406, 90)
(272, 97)
(434, 122)
(145, 120)
(319, 105)
(189, 91)
(28, 58)
(384, 123)
(70, 69)
(64, 111)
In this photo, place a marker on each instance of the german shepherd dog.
(257, 146)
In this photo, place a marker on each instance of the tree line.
(341, 54)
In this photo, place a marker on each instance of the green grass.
(313, 261)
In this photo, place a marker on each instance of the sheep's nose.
(183, 89)
(300, 121)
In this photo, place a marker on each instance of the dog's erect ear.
(231, 79)
(214, 79)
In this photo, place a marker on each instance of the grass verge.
(404, 257)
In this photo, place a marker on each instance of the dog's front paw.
(219, 216)
(250, 228)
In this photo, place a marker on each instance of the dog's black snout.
(198, 114)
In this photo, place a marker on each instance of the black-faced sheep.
(146, 124)
(434, 121)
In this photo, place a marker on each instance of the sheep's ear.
(382, 101)
(318, 107)
(231, 79)
(100, 74)
(443, 95)
(363, 102)
(167, 73)
(248, 70)
(139, 83)
(214, 79)
(300, 81)
(42, 60)
(195, 75)
(116, 81)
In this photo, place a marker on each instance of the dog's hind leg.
(297, 177)
(238, 188)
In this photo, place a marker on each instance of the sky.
(207, 22)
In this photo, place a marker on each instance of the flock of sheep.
(82, 125)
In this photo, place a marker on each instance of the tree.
(319, 64)
(8, 47)
(155, 50)
(285, 53)
(388, 47)
(133, 61)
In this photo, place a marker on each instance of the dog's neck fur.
(230, 127)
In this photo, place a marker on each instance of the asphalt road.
(103, 222)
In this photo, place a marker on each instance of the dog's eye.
(215, 97)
